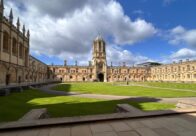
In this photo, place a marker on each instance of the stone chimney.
(124, 64)
(76, 63)
(65, 62)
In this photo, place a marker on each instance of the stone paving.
(176, 125)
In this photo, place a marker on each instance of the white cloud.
(167, 2)
(184, 53)
(180, 35)
(66, 28)
(118, 55)
(181, 54)
(138, 11)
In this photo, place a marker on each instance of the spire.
(2, 4)
(99, 38)
(28, 34)
(11, 16)
(23, 29)
(18, 23)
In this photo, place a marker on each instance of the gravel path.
(47, 89)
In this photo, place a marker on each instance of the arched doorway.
(100, 77)
(7, 79)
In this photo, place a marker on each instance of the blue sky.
(164, 16)
(135, 31)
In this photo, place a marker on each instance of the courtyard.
(140, 89)
(142, 96)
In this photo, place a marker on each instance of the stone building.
(16, 65)
(98, 70)
(176, 72)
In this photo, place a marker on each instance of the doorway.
(100, 77)
(7, 79)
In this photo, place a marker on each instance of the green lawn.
(16, 105)
(109, 88)
(188, 86)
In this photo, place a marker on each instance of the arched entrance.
(100, 77)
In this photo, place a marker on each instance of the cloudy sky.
(135, 31)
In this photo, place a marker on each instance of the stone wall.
(176, 72)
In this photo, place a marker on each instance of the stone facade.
(16, 65)
(98, 70)
(176, 72)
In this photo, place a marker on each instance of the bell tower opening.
(101, 77)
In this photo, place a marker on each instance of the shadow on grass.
(16, 105)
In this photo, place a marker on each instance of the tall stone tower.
(99, 59)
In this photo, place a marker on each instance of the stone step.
(35, 114)
(128, 108)
(186, 104)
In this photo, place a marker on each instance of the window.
(5, 42)
(14, 47)
(26, 56)
(188, 67)
(90, 76)
(188, 76)
(99, 46)
(21, 51)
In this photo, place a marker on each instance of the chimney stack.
(124, 64)
(65, 62)
(76, 63)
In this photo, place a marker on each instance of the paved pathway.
(47, 89)
(178, 125)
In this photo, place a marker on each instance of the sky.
(135, 31)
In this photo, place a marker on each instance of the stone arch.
(3, 73)
(26, 75)
(13, 74)
(20, 75)
(101, 77)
